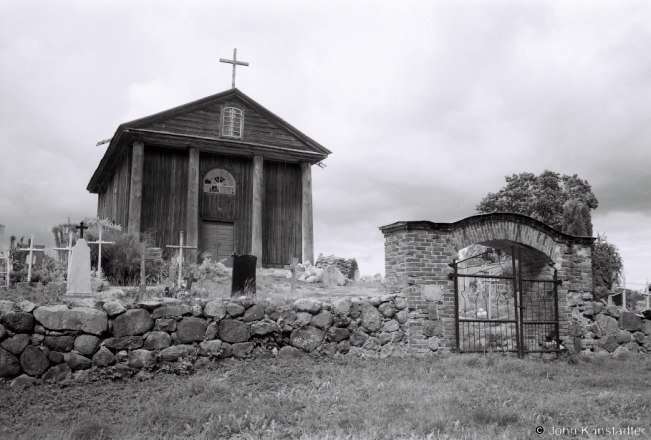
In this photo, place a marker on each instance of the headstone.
(332, 276)
(79, 272)
(292, 267)
(4, 247)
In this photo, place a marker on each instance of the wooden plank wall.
(225, 207)
(206, 122)
(164, 194)
(281, 214)
(112, 204)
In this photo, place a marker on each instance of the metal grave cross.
(293, 268)
(99, 251)
(180, 247)
(234, 62)
(31, 250)
(81, 228)
(68, 249)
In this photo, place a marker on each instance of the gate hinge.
(451, 276)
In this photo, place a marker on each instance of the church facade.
(234, 177)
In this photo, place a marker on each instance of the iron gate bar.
(515, 303)
(496, 277)
(456, 301)
(503, 321)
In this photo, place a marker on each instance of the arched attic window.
(232, 122)
(219, 181)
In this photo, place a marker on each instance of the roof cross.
(235, 63)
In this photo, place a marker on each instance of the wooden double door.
(217, 238)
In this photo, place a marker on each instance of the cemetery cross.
(292, 267)
(81, 228)
(180, 247)
(69, 249)
(99, 243)
(31, 250)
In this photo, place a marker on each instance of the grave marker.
(99, 243)
(188, 281)
(4, 268)
(79, 270)
(31, 249)
(68, 249)
(180, 247)
(292, 267)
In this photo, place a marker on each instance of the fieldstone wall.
(49, 343)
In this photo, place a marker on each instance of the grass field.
(455, 397)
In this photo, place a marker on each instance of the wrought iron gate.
(506, 300)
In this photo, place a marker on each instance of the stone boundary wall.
(48, 343)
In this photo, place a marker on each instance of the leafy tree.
(607, 266)
(541, 197)
(576, 218)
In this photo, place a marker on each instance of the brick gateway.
(421, 260)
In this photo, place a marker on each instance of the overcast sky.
(425, 105)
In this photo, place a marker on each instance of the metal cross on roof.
(235, 63)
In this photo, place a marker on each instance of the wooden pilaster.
(256, 214)
(135, 188)
(192, 211)
(306, 210)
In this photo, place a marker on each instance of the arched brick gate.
(421, 255)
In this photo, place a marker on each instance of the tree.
(607, 266)
(541, 197)
(576, 218)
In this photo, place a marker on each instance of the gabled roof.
(302, 147)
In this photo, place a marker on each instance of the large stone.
(124, 343)
(372, 344)
(150, 305)
(303, 319)
(235, 310)
(623, 336)
(113, 308)
(103, 357)
(400, 302)
(86, 344)
(33, 361)
(19, 322)
(132, 322)
(59, 343)
(341, 306)
(233, 331)
(215, 310)
(621, 352)
(141, 358)
(341, 321)
(3, 332)
(157, 341)
(212, 331)
(23, 381)
(16, 344)
(322, 320)
(401, 316)
(211, 348)
(387, 309)
(254, 313)
(172, 311)
(385, 337)
(633, 347)
(337, 334)
(77, 361)
(58, 373)
(646, 327)
(607, 325)
(165, 325)
(55, 357)
(308, 338)
(597, 307)
(312, 306)
(613, 311)
(391, 326)
(272, 313)
(609, 343)
(630, 321)
(332, 276)
(358, 338)
(242, 350)
(262, 328)
(191, 329)
(433, 344)
(60, 317)
(371, 319)
(289, 352)
(176, 352)
(245, 301)
(6, 307)
(9, 364)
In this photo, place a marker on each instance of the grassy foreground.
(456, 397)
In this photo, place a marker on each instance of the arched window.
(232, 122)
(219, 181)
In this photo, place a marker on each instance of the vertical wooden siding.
(164, 194)
(223, 207)
(281, 213)
(112, 204)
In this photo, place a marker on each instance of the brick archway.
(418, 254)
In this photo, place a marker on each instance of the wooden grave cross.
(234, 62)
(68, 249)
(6, 268)
(188, 281)
(180, 247)
(99, 251)
(292, 267)
(31, 249)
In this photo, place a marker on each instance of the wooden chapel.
(233, 176)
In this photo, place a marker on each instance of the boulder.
(332, 276)
(55, 357)
(272, 313)
(375, 301)
(103, 357)
(401, 316)
(623, 337)
(211, 331)
(386, 309)
(165, 325)
(288, 352)
(235, 310)
(372, 344)
(37, 339)
(303, 319)
(341, 321)
(311, 279)
(16, 344)
(371, 319)
(3, 332)
(322, 320)
(613, 311)
(245, 301)
(113, 308)
(632, 347)
(358, 338)
(233, 331)
(77, 362)
(6, 307)
(58, 373)
(621, 352)
(59, 343)
(262, 328)
(132, 322)
(86, 344)
(33, 361)
(646, 327)
(343, 347)
(18, 322)
(9, 364)
(385, 337)
(597, 307)
(433, 344)
(172, 311)
(191, 329)
(227, 350)
(391, 326)
(211, 348)
(630, 321)
(337, 334)
(609, 343)
(84, 319)
(150, 305)
(141, 358)
(341, 306)
(23, 381)
(242, 350)
(312, 306)
(254, 313)
(355, 308)
(400, 302)
(157, 341)
(215, 310)
(176, 352)
(124, 343)
(308, 338)
(607, 325)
